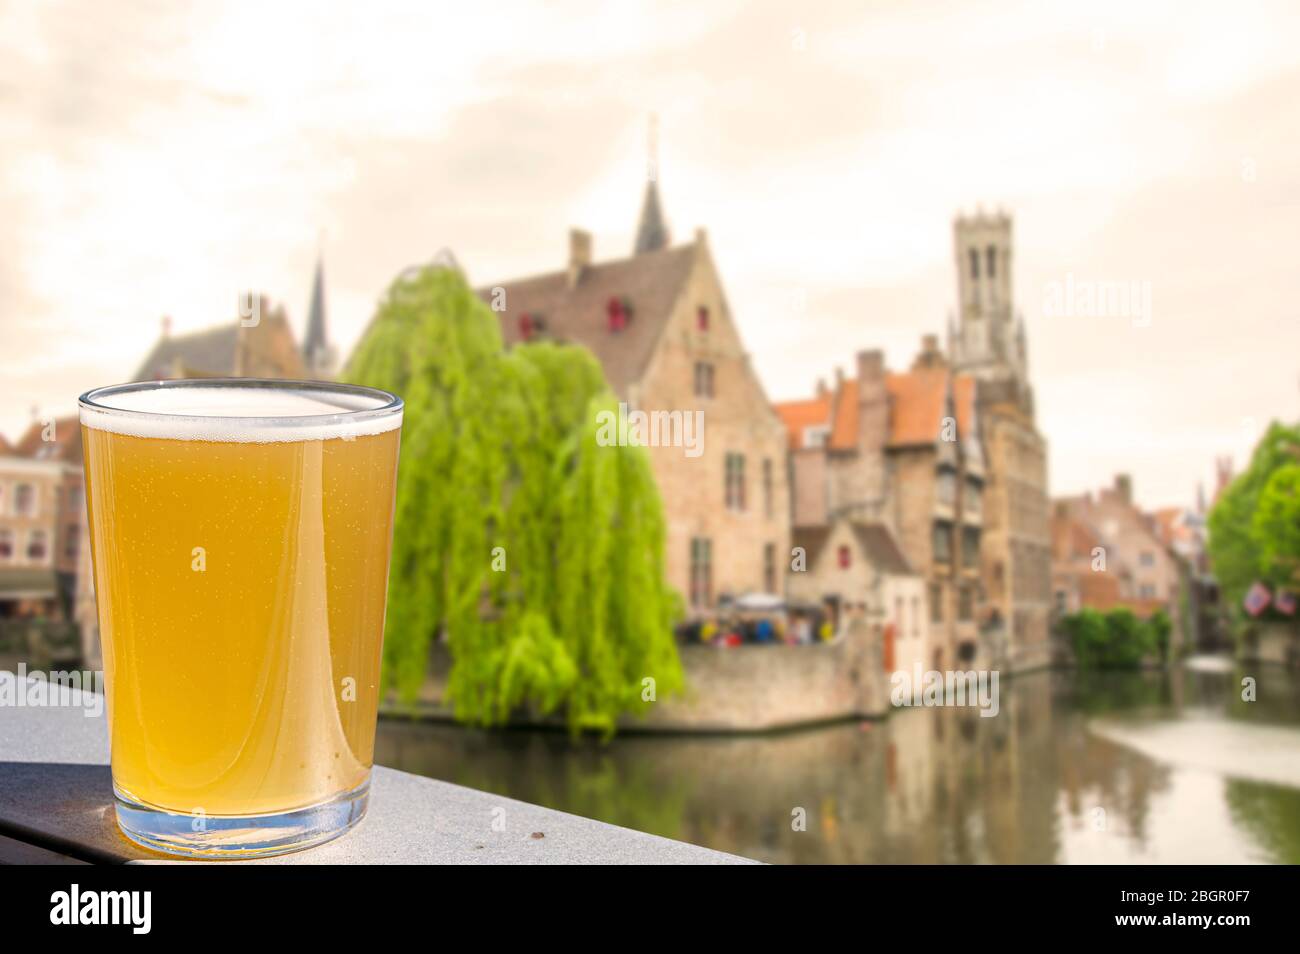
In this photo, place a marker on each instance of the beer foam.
(237, 415)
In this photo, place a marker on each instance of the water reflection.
(1033, 785)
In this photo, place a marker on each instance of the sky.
(159, 159)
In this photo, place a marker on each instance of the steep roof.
(875, 541)
(651, 283)
(210, 351)
(917, 401)
(651, 231)
(811, 539)
(1071, 537)
(315, 338)
(66, 445)
(797, 415)
(881, 548)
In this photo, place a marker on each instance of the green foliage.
(499, 451)
(1161, 627)
(1254, 527)
(1114, 640)
(1277, 526)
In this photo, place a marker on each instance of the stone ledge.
(56, 800)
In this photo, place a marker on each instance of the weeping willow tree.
(535, 551)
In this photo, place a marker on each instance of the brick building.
(42, 521)
(856, 566)
(659, 323)
(261, 345)
(901, 450)
(1137, 569)
(988, 344)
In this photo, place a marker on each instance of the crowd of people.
(791, 626)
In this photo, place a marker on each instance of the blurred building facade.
(1109, 553)
(900, 450)
(989, 344)
(660, 325)
(42, 527)
(859, 569)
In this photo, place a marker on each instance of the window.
(6, 544)
(36, 548)
(530, 325)
(970, 547)
(72, 543)
(769, 567)
(973, 499)
(965, 603)
(703, 379)
(767, 486)
(1147, 558)
(990, 259)
(618, 313)
(734, 486)
(1146, 591)
(916, 617)
(816, 435)
(24, 500)
(701, 571)
(844, 557)
(974, 263)
(702, 318)
(942, 542)
(947, 487)
(936, 603)
(898, 614)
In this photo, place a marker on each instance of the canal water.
(1148, 768)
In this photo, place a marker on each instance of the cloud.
(161, 159)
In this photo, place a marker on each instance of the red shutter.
(617, 315)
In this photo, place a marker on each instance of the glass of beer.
(240, 531)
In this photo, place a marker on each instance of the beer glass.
(240, 531)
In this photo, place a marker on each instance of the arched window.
(991, 257)
(6, 544)
(974, 263)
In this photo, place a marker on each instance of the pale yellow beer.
(241, 537)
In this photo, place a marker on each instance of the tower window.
(845, 557)
(991, 257)
(734, 482)
(974, 263)
(703, 379)
(702, 318)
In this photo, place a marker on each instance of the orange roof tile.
(916, 403)
(797, 415)
(66, 445)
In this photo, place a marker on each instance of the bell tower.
(988, 341)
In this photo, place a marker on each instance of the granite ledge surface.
(56, 795)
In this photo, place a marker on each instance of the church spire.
(651, 231)
(317, 354)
